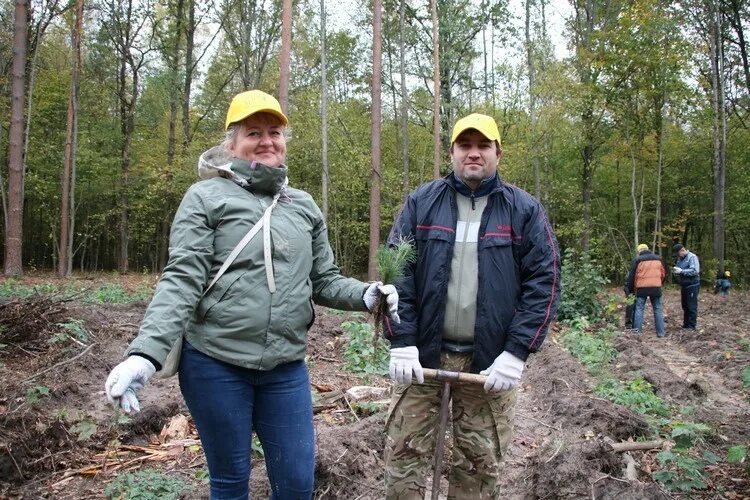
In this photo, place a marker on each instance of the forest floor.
(60, 439)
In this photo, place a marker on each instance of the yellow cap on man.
(483, 124)
(641, 247)
(250, 102)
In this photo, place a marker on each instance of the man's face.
(681, 252)
(260, 138)
(474, 157)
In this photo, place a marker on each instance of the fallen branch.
(637, 445)
(61, 363)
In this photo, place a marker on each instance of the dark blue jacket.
(519, 272)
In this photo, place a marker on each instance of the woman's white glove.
(391, 297)
(504, 374)
(125, 380)
(404, 362)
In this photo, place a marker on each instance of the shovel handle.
(445, 375)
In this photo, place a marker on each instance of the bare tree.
(404, 96)
(125, 26)
(719, 129)
(286, 49)
(436, 153)
(531, 68)
(323, 111)
(377, 16)
(251, 29)
(14, 228)
(67, 197)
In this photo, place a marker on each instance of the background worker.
(687, 269)
(242, 367)
(645, 278)
(479, 297)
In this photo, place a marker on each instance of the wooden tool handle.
(454, 376)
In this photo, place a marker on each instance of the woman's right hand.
(125, 380)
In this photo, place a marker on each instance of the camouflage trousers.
(481, 433)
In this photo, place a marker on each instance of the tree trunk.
(286, 48)
(436, 146)
(659, 129)
(189, 46)
(13, 231)
(737, 25)
(323, 111)
(377, 15)
(532, 105)
(404, 97)
(719, 133)
(65, 259)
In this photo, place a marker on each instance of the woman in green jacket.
(242, 365)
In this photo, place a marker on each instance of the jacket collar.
(487, 186)
(260, 177)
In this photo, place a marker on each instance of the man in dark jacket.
(479, 298)
(645, 279)
(687, 268)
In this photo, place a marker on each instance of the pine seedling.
(391, 263)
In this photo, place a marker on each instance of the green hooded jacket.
(239, 320)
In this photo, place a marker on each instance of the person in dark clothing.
(687, 268)
(723, 284)
(478, 298)
(645, 279)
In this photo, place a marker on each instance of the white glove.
(404, 361)
(676, 270)
(391, 297)
(504, 373)
(125, 380)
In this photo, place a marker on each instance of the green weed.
(146, 484)
(363, 354)
(637, 394)
(682, 472)
(34, 394)
(593, 349)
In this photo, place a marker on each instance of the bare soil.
(60, 439)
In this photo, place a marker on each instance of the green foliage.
(202, 475)
(34, 394)
(737, 454)
(746, 377)
(110, 293)
(367, 408)
(146, 484)
(688, 434)
(682, 472)
(11, 287)
(362, 354)
(745, 345)
(84, 429)
(593, 349)
(255, 446)
(582, 282)
(73, 328)
(636, 394)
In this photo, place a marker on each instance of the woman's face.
(260, 138)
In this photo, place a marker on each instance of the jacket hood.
(255, 176)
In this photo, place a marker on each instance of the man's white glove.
(391, 298)
(676, 270)
(504, 373)
(404, 362)
(125, 380)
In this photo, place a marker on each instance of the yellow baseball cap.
(250, 102)
(483, 124)
(641, 247)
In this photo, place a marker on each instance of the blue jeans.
(640, 309)
(228, 403)
(689, 301)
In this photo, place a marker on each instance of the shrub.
(582, 282)
(593, 349)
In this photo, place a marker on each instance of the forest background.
(637, 133)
